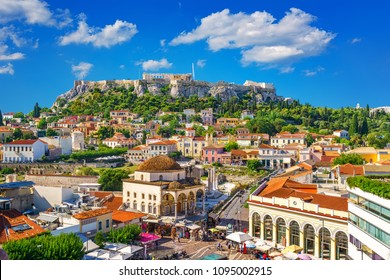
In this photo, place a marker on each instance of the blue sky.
(324, 52)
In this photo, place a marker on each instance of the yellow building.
(228, 122)
(191, 146)
(370, 154)
(92, 221)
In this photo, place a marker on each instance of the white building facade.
(24, 151)
(368, 226)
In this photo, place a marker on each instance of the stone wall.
(60, 180)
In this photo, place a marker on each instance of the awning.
(153, 221)
(221, 227)
(263, 248)
(193, 227)
(47, 218)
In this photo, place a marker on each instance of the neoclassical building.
(160, 188)
(287, 212)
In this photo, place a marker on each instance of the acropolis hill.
(177, 85)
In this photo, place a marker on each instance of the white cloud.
(81, 70)
(310, 73)
(108, 36)
(7, 69)
(122, 66)
(356, 40)
(4, 56)
(259, 37)
(154, 65)
(162, 42)
(201, 63)
(33, 12)
(286, 70)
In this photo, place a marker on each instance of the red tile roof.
(125, 216)
(276, 184)
(24, 142)
(11, 218)
(349, 169)
(285, 188)
(91, 214)
(167, 142)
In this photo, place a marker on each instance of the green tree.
(36, 111)
(7, 170)
(100, 239)
(309, 139)
(105, 132)
(354, 159)
(125, 235)
(253, 164)
(111, 179)
(17, 134)
(46, 247)
(19, 115)
(354, 127)
(51, 132)
(86, 171)
(231, 146)
(290, 128)
(42, 124)
(364, 127)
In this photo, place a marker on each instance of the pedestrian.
(264, 256)
(178, 238)
(229, 246)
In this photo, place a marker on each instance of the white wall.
(167, 176)
(46, 197)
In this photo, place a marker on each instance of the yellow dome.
(159, 163)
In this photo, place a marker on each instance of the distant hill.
(175, 88)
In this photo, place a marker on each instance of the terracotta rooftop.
(125, 216)
(265, 146)
(167, 142)
(349, 169)
(276, 184)
(12, 218)
(159, 163)
(24, 142)
(91, 214)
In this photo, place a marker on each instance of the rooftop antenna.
(193, 72)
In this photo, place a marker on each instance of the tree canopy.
(111, 179)
(46, 247)
(354, 159)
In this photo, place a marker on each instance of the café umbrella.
(239, 237)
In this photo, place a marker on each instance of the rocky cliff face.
(176, 88)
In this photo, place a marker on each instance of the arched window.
(294, 233)
(341, 246)
(154, 208)
(325, 240)
(135, 204)
(281, 231)
(309, 239)
(256, 225)
(150, 210)
(268, 227)
(143, 207)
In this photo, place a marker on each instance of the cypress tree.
(354, 128)
(1, 119)
(364, 127)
